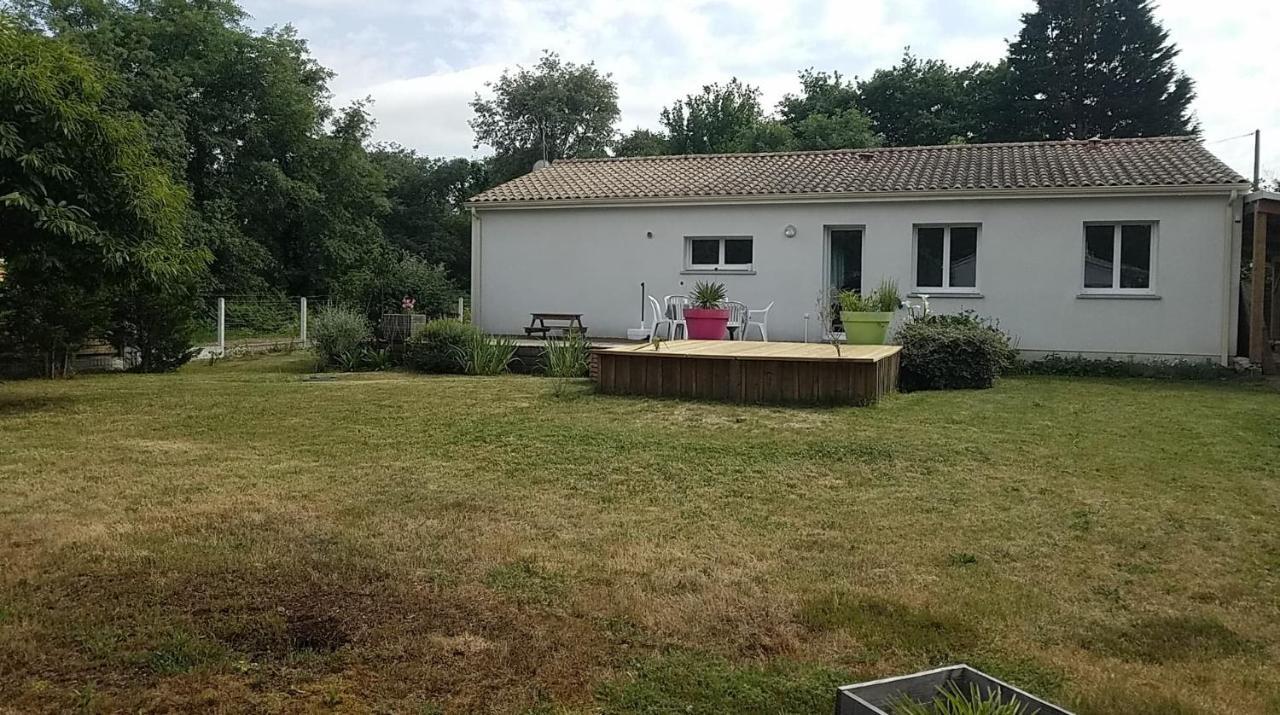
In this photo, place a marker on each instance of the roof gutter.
(864, 196)
(1231, 275)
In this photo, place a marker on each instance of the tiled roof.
(1087, 164)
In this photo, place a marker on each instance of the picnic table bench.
(566, 322)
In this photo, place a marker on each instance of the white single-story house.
(1127, 247)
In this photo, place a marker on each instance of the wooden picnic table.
(567, 322)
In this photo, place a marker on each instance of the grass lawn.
(236, 538)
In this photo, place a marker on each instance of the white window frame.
(720, 266)
(946, 286)
(1115, 288)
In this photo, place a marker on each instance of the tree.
(718, 119)
(282, 188)
(555, 110)
(826, 114)
(426, 216)
(642, 142)
(923, 102)
(763, 136)
(1084, 68)
(87, 205)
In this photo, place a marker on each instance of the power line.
(1227, 139)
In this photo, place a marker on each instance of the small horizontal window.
(718, 253)
(946, 257)
(1119, 257)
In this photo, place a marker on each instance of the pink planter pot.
(706, 323)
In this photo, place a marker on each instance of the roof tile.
(1148, 162)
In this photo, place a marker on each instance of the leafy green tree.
(924, 102)
(990, 103)
(318, 214)
(641, 142)
(86, 205)
(1084, 68)
(552, 111)
(716, 120)
(426, 216)
(763, 136)
(283, 191)
(826, 114)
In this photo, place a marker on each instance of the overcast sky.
(422, 60)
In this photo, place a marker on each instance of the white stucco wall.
(592, 260)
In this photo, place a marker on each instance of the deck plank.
(742, 350)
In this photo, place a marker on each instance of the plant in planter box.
(866, 318)
(707, 318)
(951, 700)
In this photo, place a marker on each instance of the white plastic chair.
(675, 312)
(762, 323)
(737, 325)
(660, 318)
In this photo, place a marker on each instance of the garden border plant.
(339, 336)
(949, 352)
(1080, 366)
(439, 346)
(567, 357)
(484, 354)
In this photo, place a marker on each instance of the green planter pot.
(865, 328)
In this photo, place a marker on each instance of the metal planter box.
(399, 327)
(877, 697)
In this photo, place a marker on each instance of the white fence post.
(222, 326)
(302, 320)
(462, 308)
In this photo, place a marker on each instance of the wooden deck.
(738, 371)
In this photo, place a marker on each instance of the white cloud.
(429, 112)
(423, 60)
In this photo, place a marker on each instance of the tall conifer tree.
(1084, 68)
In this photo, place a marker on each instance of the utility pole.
(1257, 159)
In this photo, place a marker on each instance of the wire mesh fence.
(257, 320)
(265, 321)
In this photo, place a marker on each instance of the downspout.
(476, 260)
(1231, 269)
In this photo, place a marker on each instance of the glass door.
(844, 266)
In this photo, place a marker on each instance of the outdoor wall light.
(789, 231)
(648, 234)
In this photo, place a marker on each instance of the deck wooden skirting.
(737, 371)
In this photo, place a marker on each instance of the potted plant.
(706, 318)
(399, 327)
(866, 318)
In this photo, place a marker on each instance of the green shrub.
(338, 332)
(159, 323)
(569, 356)
(1079, 366)
(381, 289)
(487, 354)
(950, 352)
(440, 346)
